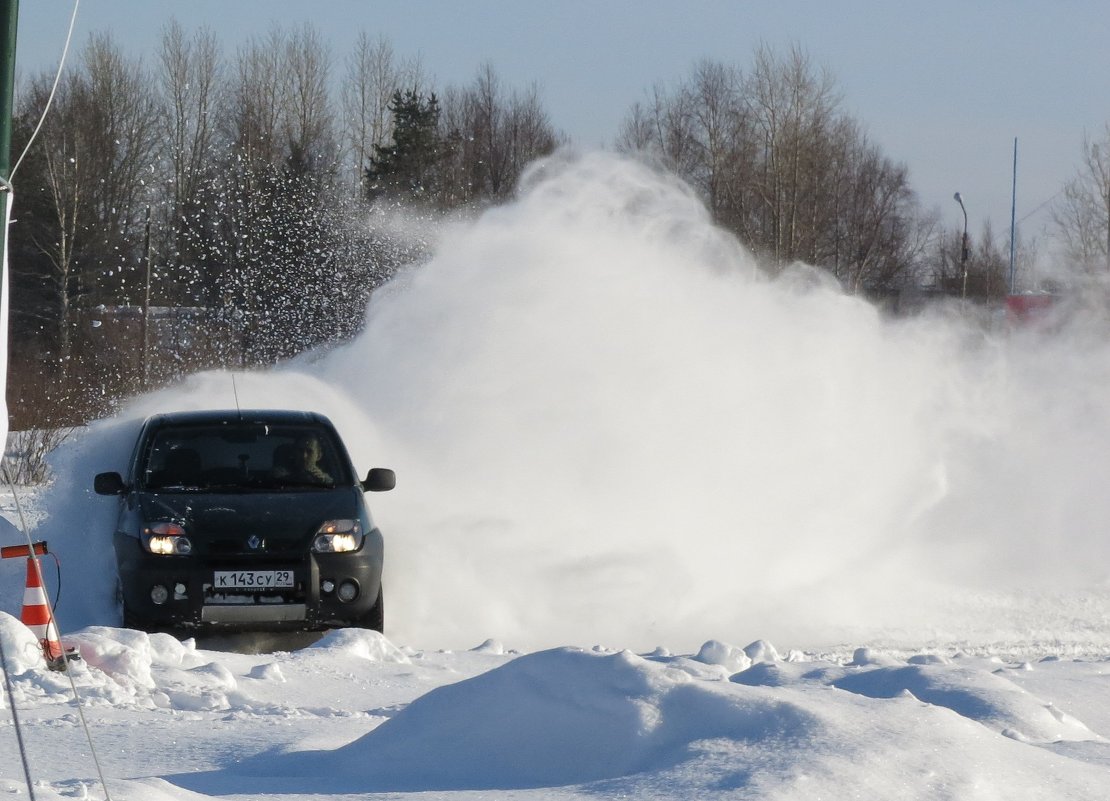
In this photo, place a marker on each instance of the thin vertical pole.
(145, 320)
(1013, 219)
(9, 16)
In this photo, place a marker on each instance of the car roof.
(229, 416)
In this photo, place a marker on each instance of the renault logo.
(254, 543)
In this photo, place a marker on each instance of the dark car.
(246, 520)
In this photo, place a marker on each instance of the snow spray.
(611, 426)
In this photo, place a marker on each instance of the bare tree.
(497, 134)
(93, 170)
(724, 141)
(66, 178)
(119, 113)
(94, 157)
(780, 164)
(637, 130)
(874, 229)
(374, 74)
(665, 129)
(793, 109)
(1082, 217)
(254, 107)
(307, 121)
(188, 76)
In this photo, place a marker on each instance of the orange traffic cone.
(37, 617)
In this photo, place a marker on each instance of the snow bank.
(22, 651)
(361, 643)
(614, 724)
(128, 656)
(985, 696)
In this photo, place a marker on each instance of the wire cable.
(58, 574)
(52, 623)
(7, 197)
(3, 655)
(1045, 203)
(15, 722)
(53, 90)
(6, 188)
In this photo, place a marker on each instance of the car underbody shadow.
(251, 642)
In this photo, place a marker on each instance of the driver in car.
(304, 463)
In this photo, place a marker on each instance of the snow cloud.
(610, 426)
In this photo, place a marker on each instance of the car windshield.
(241, 457)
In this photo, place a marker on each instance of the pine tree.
(408, 168)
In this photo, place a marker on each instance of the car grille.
(238, 546)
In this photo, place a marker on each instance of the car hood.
(226, 523)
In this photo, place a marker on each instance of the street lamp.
(963, 252)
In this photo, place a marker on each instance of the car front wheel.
(125, 616)
(375, 618)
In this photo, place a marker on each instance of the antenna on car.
(235, 392)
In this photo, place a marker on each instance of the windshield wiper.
(289, 483)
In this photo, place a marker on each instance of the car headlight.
(338, 536)
(167, 539)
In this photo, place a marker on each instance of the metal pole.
(145, 322)
(9, 19)
(9, 16)
(1013, 219)
(963, 251)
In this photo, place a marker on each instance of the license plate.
(252, 579)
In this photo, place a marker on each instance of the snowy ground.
(354, 716)
(622, 454)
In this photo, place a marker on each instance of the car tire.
(126, 617)
(375, 618)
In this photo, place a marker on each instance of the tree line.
(210, 209)
(223, 200)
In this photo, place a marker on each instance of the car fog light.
(327, 586)
(348, 591)
(179, 590)
(159, 594)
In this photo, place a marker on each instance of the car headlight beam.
(338, 536)
(167, 539)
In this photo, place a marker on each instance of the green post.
(9, 17)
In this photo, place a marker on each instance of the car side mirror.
(109, 484)
(379, 479)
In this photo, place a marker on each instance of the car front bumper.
(192, 601)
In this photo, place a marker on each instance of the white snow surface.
(354, 716)
(664, 528)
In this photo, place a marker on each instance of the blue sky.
(943, 86)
